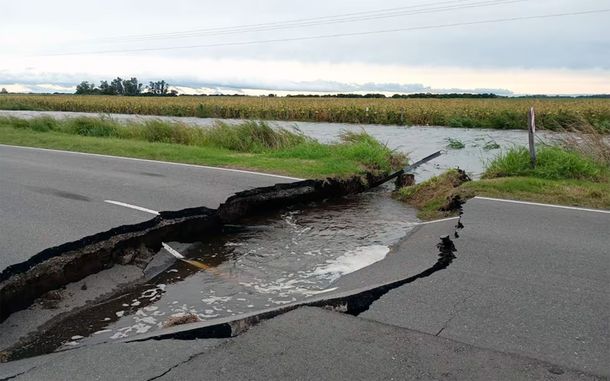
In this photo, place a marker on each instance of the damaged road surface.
(242, 257)
(505, 291)
(51, 197)
(315, 343)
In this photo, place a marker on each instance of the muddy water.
(265, 262)
(417, 141)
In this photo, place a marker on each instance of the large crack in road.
(72, 264)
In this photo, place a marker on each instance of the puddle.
(265, 262)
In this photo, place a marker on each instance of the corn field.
(551, 114)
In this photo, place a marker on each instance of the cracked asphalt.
(306, 344)
(531, 280)
(525, 298)
(52, 197)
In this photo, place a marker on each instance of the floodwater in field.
(266, 262)
(480, 145)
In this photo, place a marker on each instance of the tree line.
(130, 87)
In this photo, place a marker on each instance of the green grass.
(562, 176)
(247, 146)
(491, 145)
(455, 144)
(553, 163)
(562, 192)
(245, 137)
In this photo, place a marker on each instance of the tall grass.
(253, 145)
(553, 163)
(588, 141)
(244, 137)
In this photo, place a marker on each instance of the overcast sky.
(318, 45)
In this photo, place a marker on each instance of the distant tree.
(85, 88)
(117, 86)
(158, 87)
(3, 91)
(132, 86)
(120, 86)
(106, 89)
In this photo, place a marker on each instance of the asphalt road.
(51, 197)
(525, 298)
(528, 279)
(307, 344)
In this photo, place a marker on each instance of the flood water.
(416, 141)
(420, 141)
(265, 262)
(280, 258)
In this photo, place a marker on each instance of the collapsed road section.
(50, 269)
(63, 283)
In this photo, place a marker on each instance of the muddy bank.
(56, 267)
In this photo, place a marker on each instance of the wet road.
(526, 298)
(270, 261)
(51, 197)
(523, 299)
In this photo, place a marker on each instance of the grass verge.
(563, 176)
(553, 163)
(250, 145)
(561, 192)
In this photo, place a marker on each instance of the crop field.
(505, 113)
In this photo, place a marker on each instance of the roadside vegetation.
(498, 113)
(249, 145)
(437, 197)
(575, 173)
(455, 143)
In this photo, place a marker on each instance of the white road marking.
(172, 251)
(132, 207)
(547, 205)
(435, 221)
(192, 262)
(158, 162)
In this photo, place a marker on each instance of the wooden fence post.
(531, 122)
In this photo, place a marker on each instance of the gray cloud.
(304, 87)
(572, 42)
(335, 87)
(577, 42)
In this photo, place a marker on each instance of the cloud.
(323, 87)
(36, 88)
(233, 75)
